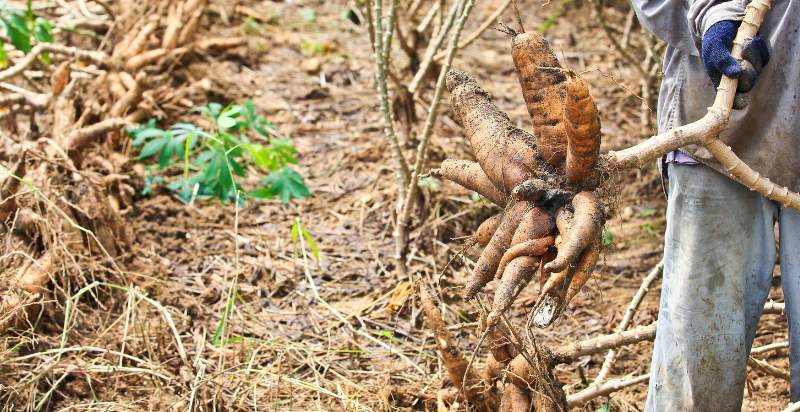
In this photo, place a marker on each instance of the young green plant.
(217, 160)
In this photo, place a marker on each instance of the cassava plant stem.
(401, 234)
(765, 367)
(435, 45)
(95, 56)
(770, 347)
(381, 63)
(596, 391)
(591, 346)
(478, 31)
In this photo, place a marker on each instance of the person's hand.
(717, 58)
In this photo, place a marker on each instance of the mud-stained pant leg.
(790, 279)
(718, 259)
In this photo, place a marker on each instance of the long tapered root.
(585, 268)
(519, 398)
(583, 131)
(452, 357)
(537, 223)
(490, 258)
(485, 231)
(587, 221)
(516, 276)
(542, 82)
(501, 352)
(533, 247)
(470, 176)
(532, 237)
(506, 153)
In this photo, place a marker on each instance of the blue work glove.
(717, 59)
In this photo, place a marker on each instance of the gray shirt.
(766, 135)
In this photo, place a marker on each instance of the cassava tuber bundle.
(552, 221)
(534, 176)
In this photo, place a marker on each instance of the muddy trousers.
(719, 255)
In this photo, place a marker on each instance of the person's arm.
(714, 25)
(667, 20)
(705, 13)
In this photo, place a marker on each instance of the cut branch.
(95, 56)
(628, 317)
(774, 308)
(481, 28)
(769, 348)
(765, 367)
(792, 407)
(596, 391)
(37, 100)
(591, 346)
(435, 45)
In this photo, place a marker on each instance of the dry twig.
(608, 362)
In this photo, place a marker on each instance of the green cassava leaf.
(152, 147)
(286, 184)
(225, 122)
(43, 30)
(17, 31)
(226, 154)
(284, 151)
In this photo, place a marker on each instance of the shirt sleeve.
(667, 19)
(705, 13)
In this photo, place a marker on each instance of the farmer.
(720, 244)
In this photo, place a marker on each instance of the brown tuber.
(541, 79)
(470, 176)
(586, 222)
(507, 154)
(485, 231)
(489, 260)
(516, 276)
(583, 130)
(454, 360)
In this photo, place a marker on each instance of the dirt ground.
(343, 333)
